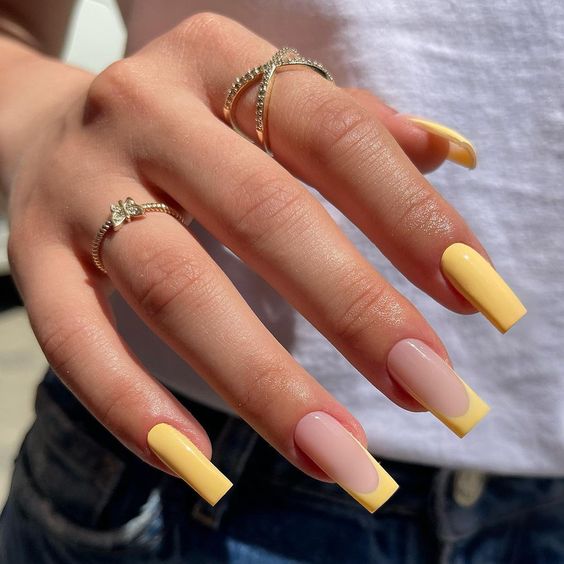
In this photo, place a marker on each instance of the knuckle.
(367, 303)
(265, 206)
(420, 211)
(340, 128)
(359, 91)
(63, 339)
(125, 396)
(203, 27)
(124, 84)
(109, 406)
(270, 380)
(169, 279)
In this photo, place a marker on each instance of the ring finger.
(177, 289)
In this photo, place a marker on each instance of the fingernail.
(461, 150)
(421, 372)
(344, 459)
(476, 279)
(180, 454)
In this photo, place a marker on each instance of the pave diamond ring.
(284, 57)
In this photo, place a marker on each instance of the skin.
(71, 143)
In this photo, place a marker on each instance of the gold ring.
(121, 213)
(284, 57)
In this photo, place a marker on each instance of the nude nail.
(337, 452)
(421, 372)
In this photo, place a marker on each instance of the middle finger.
(254, 206)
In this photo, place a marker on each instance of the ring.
(121, 213)
(287, 56)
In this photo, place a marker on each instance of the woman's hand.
(150, 127)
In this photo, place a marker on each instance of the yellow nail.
(476, 279)
(461, 151)
(180, 454)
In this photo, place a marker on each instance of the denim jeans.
(78, 496)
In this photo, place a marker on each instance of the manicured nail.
(344, 459)
(461, 151)
(476, 279)
(421, 372)
(180, 454)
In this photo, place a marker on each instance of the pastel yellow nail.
(337, 452)
(435, 385)
(180, 454)
(461, 150)
(476, 279)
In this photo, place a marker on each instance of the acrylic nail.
(477, 280)
(461, 151)
(337, 452)
(421, 372)
(180, 454)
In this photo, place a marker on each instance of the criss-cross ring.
(284, 57)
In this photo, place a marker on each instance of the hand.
(150, 127)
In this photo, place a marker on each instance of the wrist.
(34, 90)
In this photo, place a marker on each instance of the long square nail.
(477, 280)
(180, 454)
(321, 437)
(421, 372)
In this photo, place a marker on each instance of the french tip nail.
(182, 456)
(478, 281)
(476, 413)
(344, 459)
(434, 384)
(461, 150)
(387, 487)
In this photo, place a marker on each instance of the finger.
(277, 227)
(173, 284)
(336, 145)
(426, 151)
(265, 216)
(73, 324)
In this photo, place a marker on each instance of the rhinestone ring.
(284, 57)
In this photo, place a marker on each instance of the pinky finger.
(427, 143)
(72, 321)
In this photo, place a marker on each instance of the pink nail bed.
(428, 378)
(336, 452)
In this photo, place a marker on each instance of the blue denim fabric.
(78, 496)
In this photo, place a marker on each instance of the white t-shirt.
(495, 72)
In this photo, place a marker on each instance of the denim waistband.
(90, 451)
